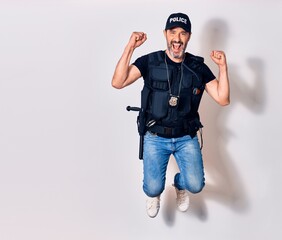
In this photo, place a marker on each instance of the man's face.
(177, 40)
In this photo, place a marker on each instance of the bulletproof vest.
(190, 91)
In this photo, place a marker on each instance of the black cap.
(178, 20)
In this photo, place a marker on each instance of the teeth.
(177, 45)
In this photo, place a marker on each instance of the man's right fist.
(138, 38)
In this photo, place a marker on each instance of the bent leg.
(189, 159)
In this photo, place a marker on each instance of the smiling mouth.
(176, 46)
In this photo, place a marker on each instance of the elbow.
(116, 85)
(225, 102)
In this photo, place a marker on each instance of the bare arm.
(218, 88)
(126, 74)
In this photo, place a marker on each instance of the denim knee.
(153, 189)
(196, 188)
(192, 184)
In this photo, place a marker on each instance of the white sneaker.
(153, 206)
(182, 199)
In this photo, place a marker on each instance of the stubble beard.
(179, 55)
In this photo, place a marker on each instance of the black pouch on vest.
(186, 93)
(160, 95)
(159, 104)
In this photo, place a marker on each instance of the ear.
(164, 31)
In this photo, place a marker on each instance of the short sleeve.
(142, 64)
(207, 74)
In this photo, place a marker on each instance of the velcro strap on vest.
(167, 131)
(190, 128)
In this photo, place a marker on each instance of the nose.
(177, 37)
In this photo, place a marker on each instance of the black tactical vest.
(184, 118)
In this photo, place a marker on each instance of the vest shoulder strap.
(156, 58)
(195, 63)
(196, 58)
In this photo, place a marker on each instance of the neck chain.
(173, 100)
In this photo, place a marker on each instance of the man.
(174, 82)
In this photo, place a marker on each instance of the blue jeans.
(187, 153)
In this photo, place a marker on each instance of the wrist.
(129, 49)
(223, 68)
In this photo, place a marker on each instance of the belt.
(169, 132)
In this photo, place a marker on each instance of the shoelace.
(182, 196)
(152, 202)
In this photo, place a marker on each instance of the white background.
(69, 165)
